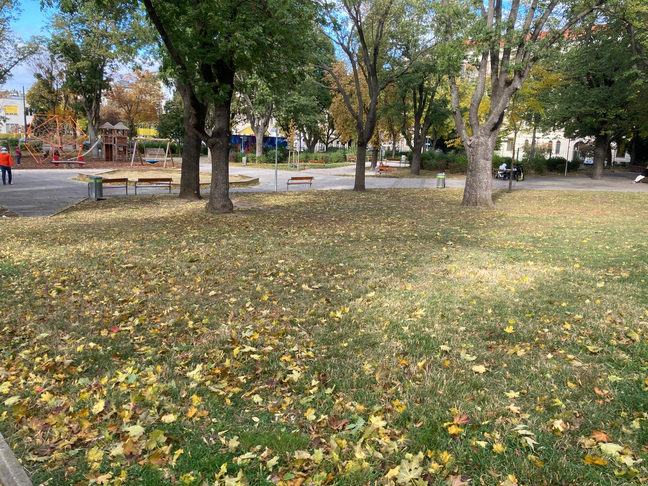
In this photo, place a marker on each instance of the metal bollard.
(440, 181)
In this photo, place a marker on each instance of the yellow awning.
(247, 131)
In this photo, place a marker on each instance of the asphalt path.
(48, 191)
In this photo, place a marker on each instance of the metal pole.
(276, 152)
(298, 149)
(567, 158)
(24, 116)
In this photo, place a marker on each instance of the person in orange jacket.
(5, 164)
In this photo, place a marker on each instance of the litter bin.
(403, 160)
(244, 160)
(440, 181)
(95, 187)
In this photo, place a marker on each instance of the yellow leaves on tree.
(134, 97)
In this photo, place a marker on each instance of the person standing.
(18, 154)
(5, 164)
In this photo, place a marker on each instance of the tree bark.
(478, 191)
(600, 145)
(92, 138)
(219, 143)
(190, 171)
(533, 146)
(193, 115)
(633, 147)
(311, 143)
(361, 157)
(417, 143)
(374, 158)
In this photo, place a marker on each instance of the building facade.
(12, 115)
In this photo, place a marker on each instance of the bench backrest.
(301, 178)
(155, 179)
(116, 181)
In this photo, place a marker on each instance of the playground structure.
(56, 133)
(114, 139)
(152, 155)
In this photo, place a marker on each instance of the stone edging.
(11, 471)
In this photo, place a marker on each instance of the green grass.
(329, 337)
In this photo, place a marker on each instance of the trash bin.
(440, 181)
(95, 187)
(244, 160)
(403, 160)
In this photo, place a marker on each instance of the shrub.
(539, 165)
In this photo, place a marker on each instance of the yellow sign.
(11, 110)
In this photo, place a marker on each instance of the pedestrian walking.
(5, 164)
(18, 154)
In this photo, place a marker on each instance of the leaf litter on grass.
(327, 341)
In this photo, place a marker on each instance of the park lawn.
(329, 337)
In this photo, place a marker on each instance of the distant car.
(588, 161)
(30, 139)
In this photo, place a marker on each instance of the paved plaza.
(48, 191)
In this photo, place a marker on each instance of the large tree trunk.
(193, 114)
(374, 157)
(361, 157)
(92, 136)
(479, 188)
(219, 144)
(394, 135)
(416, 160)
(533, 146)
(600, 144)
(633, 147)
(190, 171)
(311, 143)
(258, 133)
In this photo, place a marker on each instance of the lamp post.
(298, 148)
(24, 116)
(276, 135)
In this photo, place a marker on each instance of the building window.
(11, 110)
(509, 145)
(557, 148)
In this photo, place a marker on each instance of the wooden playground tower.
(115, 142)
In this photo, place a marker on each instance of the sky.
(30, 22)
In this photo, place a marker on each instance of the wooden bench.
(115, 184)
(118, 183)
(154, 182)
(385, 169)
(299, 180)
(317, 162)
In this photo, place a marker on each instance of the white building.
(12, 114)
(557, 144)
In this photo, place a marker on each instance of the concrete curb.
(11, 471)
(70, 206)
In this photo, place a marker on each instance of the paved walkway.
(44, 192)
